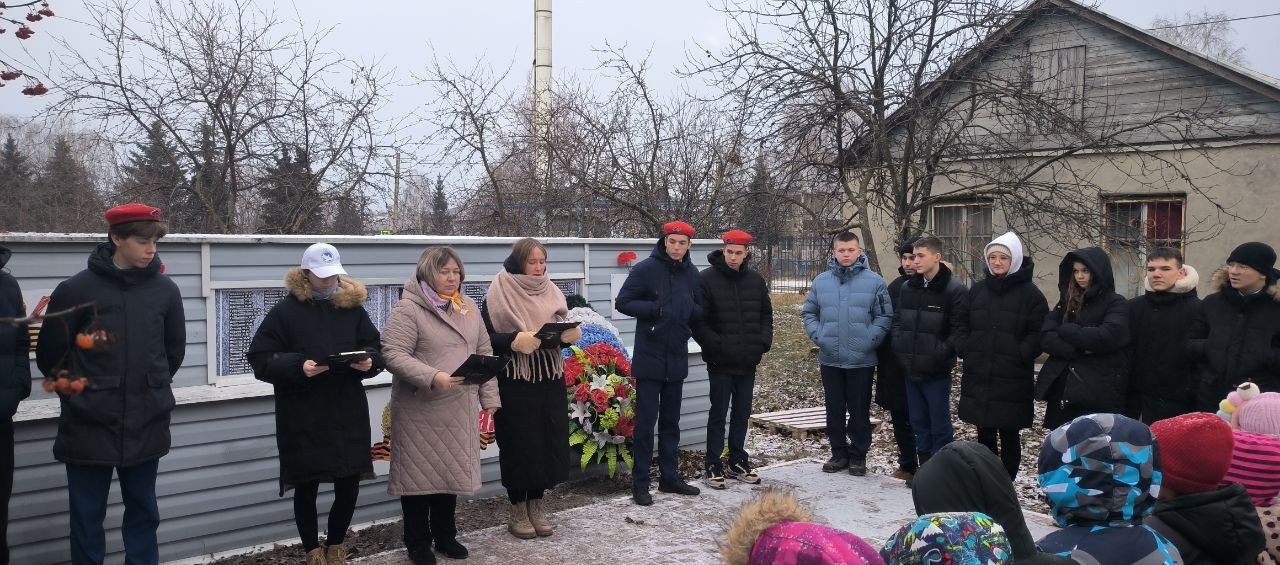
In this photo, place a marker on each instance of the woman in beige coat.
(435, 438)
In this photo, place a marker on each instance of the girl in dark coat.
(533, 426)
(322, 416)
(1005, 312)
(1086, 335)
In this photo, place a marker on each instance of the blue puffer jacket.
(848, 314)
(664, 298)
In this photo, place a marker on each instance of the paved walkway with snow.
(685, 530)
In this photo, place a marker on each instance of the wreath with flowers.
(601, 396)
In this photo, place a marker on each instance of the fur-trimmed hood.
(770, 509)
(351, 293)
(1221, 281)
(1184, 285)
(776, 528)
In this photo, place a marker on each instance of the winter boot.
(316, 556)
(335, 554)
(538, 517)
(518, 522)
(743, 472)
(858, 467)
(836, 464)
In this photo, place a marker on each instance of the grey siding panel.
(218, 486)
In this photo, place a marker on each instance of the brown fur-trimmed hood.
(351, 293)
(1221, 281)
(762, 513)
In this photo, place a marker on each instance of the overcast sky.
(403, 33)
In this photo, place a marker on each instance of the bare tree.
(905, 104)
(230, 86)
(1205, 31)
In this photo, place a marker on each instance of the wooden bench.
(800, 422)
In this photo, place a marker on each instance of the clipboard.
(549, 333)
(343, 358)
(478, 369)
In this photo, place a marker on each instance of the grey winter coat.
(848, 314)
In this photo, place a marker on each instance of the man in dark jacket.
(735, 332)
(891, 380)
(967, 477)
(121, 421)
(847, 314)
(1207, 523)
(15, 384)
(928, 331)
(1159, 320)
(662, 294)
(1237, 337)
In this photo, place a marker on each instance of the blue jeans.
(656, 402)
(929, 404)
(848, 391)
(88, 486)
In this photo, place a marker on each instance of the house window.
(965, 229)
(1134, 226)
(1057, 77)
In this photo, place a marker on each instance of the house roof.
(1254, 81)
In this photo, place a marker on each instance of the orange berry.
(84, 341)
(48, 385)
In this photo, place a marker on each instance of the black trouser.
(730, 393)
(345, 492)
(657, 402)
(1009, 450)
(848, 391)
(522, 495)
(427, 518)
(6, 485)
(905, 437)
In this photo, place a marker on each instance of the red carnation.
(621, 391)
(625, 427)
(622, 366)
(626, 257)
(572, 371)
(600, 398)
(581, 393)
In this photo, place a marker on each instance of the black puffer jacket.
(736, 329)
(1005, 316)
(928, 328)
(1088, 367)
(15, 366)
(664, 297)
(122, 418)
(966, 477)
(891, 376)
(1218, 527)
(1160, 363)
(1237, 339)
(322, 422)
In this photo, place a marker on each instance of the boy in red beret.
(1206, 523)
(735, 332)
(120, 422)
(663, 295)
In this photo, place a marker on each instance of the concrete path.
(685, 530)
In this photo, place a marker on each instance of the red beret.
(678, 228)
(736, 237)
(132, 213)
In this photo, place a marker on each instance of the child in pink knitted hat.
(1255, 460)
(775, 529)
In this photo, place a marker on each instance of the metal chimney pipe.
(542, 94)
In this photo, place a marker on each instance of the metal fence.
(791, 264)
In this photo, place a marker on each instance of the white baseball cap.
(323, 261)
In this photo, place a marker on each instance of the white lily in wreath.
(580, 412)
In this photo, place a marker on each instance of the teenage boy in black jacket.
(928, 331)
(735, 332)
(15, 385)
(1161, 370)
(120, 422)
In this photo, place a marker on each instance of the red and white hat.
(736, 237)
(678, 228)
(132, 212)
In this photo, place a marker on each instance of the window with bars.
(1133, 227)
(964, 228)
